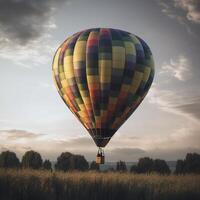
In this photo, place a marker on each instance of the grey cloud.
(25, 20)
(182, 10)
(179, 68)
(192, 9)
(19, 134)
(191, 108)
(178, 102)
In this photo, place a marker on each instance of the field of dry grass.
(42, 185)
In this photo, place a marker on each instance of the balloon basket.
(100, 159)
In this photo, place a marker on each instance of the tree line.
(68, 162)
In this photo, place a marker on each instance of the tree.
(94, 166)
(161, 167)
(68, 161)
(47, 165)
(79, 163)
(9, 159)
(32, 159)
(63, 162)
(121, 166)
(179, 167)
(191, 164)
(134, 169)
(145, 165)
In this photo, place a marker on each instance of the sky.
(33, 116)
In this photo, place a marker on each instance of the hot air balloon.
(102, 75)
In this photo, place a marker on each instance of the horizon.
(166, 125)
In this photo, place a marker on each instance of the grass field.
(42, 185)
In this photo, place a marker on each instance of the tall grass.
(43, 185)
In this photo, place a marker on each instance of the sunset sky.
(32, 114)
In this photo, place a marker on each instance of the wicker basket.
(100, 159)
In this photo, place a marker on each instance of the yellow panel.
(118, 57)
(105, 67)
(68, 60)
(117, 49)
(136, 81)
(82, 107)
(62, 76)
(105, 64)
(68, 67)
(92, 79)
(62, 90)
(130, 48)
(79, 51)
(64, 83)
(84, 94)
(135, 40)
(69, 73)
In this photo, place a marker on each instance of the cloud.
(192, 108)
(185, 103)
(179, 69)
(25, 31)
(168, 9)
(35, 53)
(190, 9)
(24, 20)
(13, 135)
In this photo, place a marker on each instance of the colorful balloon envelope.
(102, 75)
